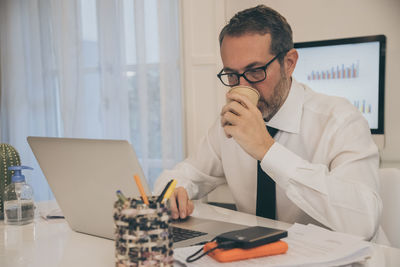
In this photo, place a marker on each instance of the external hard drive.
(252, 236)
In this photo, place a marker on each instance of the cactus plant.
(8, 157)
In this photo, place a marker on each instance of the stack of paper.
(308, 245)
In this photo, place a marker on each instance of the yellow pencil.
(169, 190)
(141, 190)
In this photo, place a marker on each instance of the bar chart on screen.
(363, 106)
(337, 72)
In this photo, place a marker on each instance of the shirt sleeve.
(341, 193)
(200, 173)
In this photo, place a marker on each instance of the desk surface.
(52, 243)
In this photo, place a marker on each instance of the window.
(93, 69)
(140, 50)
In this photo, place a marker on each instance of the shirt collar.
(288, 117)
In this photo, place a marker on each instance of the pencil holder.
(142, 237)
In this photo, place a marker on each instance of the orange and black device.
(237, 254)
(242, 244)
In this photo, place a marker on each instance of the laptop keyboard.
(179, 234)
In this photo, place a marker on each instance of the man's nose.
(243, 81)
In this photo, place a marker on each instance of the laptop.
(84, 175)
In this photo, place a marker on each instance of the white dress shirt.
(324, 162)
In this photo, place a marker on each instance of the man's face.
(251, 51)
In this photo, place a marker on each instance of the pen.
(121, 196)
(169, 190)
(141, 190)
(161, 196)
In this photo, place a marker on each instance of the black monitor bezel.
(382, 62)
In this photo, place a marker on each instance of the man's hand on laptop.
(181, 205)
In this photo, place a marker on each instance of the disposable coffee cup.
(252, 94)
(142, 235)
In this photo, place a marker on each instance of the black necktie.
(266, 199)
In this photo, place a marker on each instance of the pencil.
(169, 190)
(121, 196)
(141, 190)
(161, 196)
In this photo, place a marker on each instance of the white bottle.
(18, 199)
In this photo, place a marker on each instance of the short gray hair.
(261, 20)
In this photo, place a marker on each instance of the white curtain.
(92, 69)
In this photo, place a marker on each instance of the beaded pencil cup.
(142, 237)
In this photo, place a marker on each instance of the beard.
(271, 106)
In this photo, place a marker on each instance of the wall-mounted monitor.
(353, 68)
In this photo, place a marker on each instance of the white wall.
(201, 21)
(310, 20)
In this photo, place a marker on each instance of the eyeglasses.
(252, 75)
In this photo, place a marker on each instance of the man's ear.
(290, 61)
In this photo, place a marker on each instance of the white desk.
(52, 243)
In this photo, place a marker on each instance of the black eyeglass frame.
(243, 74)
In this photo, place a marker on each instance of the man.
(322, 162)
